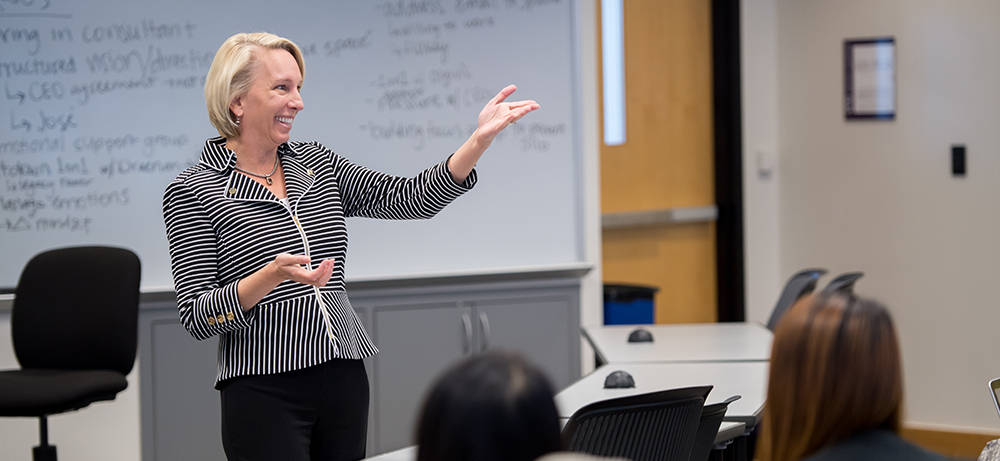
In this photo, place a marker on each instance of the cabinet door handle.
(485, 323)
(467, 323)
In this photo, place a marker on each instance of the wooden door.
(667, 159)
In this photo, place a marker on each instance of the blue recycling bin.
(629, 304)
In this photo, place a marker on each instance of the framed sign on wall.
(870, 78)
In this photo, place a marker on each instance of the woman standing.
(257, 244)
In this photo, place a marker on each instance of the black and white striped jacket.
(222, 226)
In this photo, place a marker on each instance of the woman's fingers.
(520, 104)
(522, 108)
(503, 94)
(285, 259)
(296, 268)
(323, 273)
(318, 276)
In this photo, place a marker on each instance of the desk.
(747, 379)
(729, 430)
(693, 342)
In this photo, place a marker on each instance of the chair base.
(43, 453)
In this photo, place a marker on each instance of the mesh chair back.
(654, 426)
(708, 428)
(844, 282)
(77, 308)
(801, 284)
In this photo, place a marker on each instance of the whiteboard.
(104, 105)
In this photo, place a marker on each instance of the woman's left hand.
(498, 115)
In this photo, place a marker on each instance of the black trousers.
(317, 413)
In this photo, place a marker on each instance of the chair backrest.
(801, 284)
(77, 308)
(708, 428)
(654, 426)
(844, 282)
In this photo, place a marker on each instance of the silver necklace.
(266, 177)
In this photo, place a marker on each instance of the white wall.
(879, 196)
(761, 233)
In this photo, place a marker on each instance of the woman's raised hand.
(496, 116)
(499, 114)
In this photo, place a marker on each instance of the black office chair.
(74, 326)
(708, 428)
(801, 284)
(844, 282)
(654, 426)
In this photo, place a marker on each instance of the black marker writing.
(38, 67)
(28, 37)
(33, 146)
(404, 9)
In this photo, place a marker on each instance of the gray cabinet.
(418, 341)
(541, 328)
(415, 343)
(180, 412)
(419, 330)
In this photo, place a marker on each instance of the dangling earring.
(238, 121)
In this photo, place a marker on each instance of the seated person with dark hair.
(491, 407)
(836, 384)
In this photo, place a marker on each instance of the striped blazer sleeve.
(370, 194)
(206, 308)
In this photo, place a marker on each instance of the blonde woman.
(257, 246)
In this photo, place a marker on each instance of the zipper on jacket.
(319, 298)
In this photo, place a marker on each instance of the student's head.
(493, 406)
(835, 372)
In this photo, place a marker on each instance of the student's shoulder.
(874, 445)
(574, 456)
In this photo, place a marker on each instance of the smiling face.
(266, 112)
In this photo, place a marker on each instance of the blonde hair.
(233, 71)
(835, 372)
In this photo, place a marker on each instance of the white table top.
(691, 342)
(747, 379)
(402, 454)
(729, 430)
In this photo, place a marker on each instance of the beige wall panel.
(679, 259)
(667, 160)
